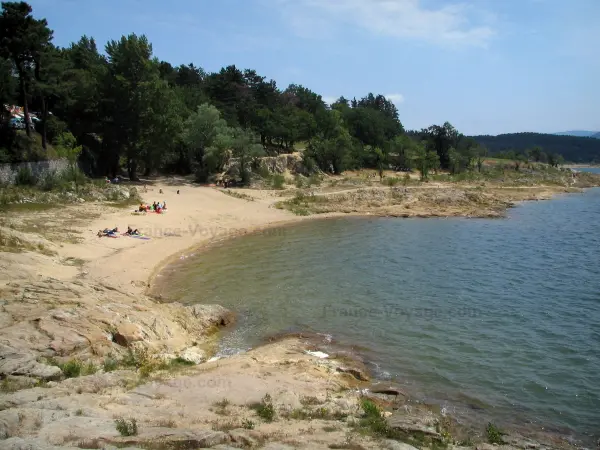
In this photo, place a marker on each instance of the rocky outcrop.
(290, 162)
(66, 320)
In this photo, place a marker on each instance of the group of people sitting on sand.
(113, 232)
(156, 207)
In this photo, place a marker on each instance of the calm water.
(495, 319)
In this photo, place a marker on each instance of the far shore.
(80, 297)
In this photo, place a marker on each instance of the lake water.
(492, 319)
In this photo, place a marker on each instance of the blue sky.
(487, 66)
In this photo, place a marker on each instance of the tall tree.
(130, 91)
(22, 39)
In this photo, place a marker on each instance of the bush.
(71, 369)
(310, 166)
(247, 424)
(50, 181)
(74, 175)
(494, 434)
(314, 180)
(25, 177)
(277, 181)
(264, 173)
(126, 427)
(110, 364)
(265, 409)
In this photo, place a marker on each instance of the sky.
(486, 66)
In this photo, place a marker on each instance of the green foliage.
(110, 365)
(127, 109)
(494, 434)
(72, 368)
(572, 148)
(25, 177)
(126, 427)
(424, 159)
(247, 424)
(392, 181)
(277, 181)
(265, 409)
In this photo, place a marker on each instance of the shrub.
(247, 424)
(74, 175)
(71, 369)
(264, 173)
(50, 181)
(494, 434)
(314, 180)
(265, 409)
(110, 364)
(126, 427)
(392, 181)
(25, 177)
(89, 369)
(277, 181)
(309, 164)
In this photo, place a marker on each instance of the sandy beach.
(85, 298)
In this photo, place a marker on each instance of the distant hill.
(572, 148)
(578, 133)
(597, 136)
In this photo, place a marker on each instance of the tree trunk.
(24, 100)
(132, 170)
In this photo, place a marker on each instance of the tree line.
(126, 109)
(571, 148)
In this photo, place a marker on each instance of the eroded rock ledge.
(60, 320)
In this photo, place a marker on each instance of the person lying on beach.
(131, 232)
(107, 232)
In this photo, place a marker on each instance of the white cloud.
(451, 25)
(395, 98)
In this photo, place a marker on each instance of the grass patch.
(391, 181)
(494, 434)
(13, 244)
(8, 386)
(110, 365)
(126, 427)
(221, 407)
(247, 424)
(166, 423)
(239, 195)
(277, 181)
(302, 204)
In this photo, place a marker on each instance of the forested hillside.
(123, 109)
(572, 148)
